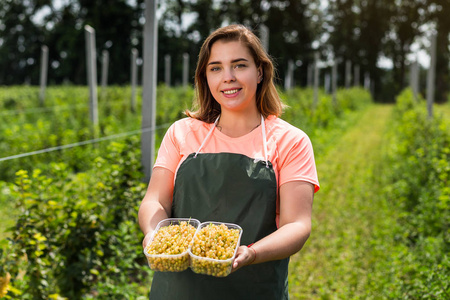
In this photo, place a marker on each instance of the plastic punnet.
(164, 262)
(215, 267)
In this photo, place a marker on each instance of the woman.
(233, 160)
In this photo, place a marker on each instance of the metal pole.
(431, 76)
(91, 55)
(134, 55)
(149, 87)
(44, 68)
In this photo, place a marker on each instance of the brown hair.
(268, 102)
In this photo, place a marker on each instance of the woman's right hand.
(146, 239)
(157, 202)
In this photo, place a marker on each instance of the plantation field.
(380, 221)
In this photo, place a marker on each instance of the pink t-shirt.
(289, 149)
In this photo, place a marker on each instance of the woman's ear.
(260, 75)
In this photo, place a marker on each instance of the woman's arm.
(157, 202)
(296, 199)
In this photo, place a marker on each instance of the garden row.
(418, 187)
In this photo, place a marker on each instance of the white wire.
(40, 109)
(93, 141)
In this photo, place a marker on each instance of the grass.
(349, 218)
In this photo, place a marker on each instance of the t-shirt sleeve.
(169, 152)
(298, 161)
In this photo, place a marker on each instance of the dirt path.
(335, 262)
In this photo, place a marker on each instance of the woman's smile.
(231, 92)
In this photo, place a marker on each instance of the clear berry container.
(161, 241)
(212, 253)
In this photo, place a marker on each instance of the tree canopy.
(362, 31)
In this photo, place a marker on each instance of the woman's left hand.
(244, 256)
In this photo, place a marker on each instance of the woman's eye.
(240, 66)
(214, 69)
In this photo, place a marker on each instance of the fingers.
(244, 256)
(146, 239)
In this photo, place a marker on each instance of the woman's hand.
(146, 239)
(244, 256)
(296, 200)
(157, 202)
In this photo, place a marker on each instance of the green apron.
(232, 188)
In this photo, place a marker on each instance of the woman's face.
(232, 76)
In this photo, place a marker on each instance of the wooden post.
(431, 76)
(327, 83)
(289, 78)
(416, 79)
(316, 80)
(43, 78)
(105, 66)
(150, 54)
(185, 69)
(91, 55)
(167, 69)
(264, 36)
(356, 79)
(134, 68)
(348, 73)
(310, 75)
(334, 81)
(367, 81)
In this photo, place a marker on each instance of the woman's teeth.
(229, 92)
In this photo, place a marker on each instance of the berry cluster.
(214, 245)
(168, 249)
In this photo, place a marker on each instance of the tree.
(404, 27)
(292, 33)
(20, 41)
(117, 30)
(374, 25)
(437, 12)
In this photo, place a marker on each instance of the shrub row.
(26, 126)
(419, 188)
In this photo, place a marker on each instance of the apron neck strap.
(207, 136)
(263, 130)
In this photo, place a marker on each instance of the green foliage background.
(73, 217)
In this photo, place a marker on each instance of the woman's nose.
(228, 75)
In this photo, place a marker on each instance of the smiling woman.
(256, 171)
(233, 77)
